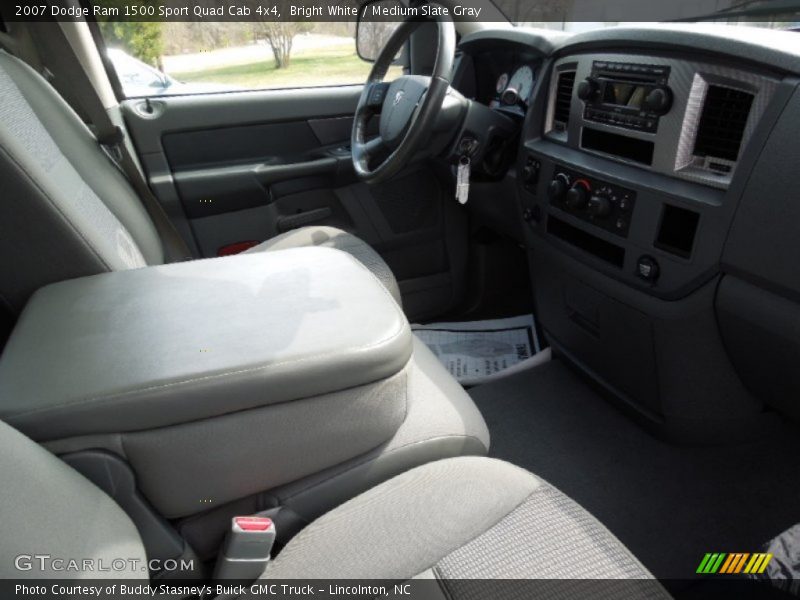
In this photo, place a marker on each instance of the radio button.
(659, 100)
(587, 89)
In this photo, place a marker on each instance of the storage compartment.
(249, 371)
(587, 242)
(677, 230)
(163, 345)
(623, 146)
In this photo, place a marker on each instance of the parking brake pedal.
(245, 552)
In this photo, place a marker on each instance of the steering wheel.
(408, 106)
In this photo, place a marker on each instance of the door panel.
(246, 166)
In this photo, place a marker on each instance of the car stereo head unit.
(626, 95)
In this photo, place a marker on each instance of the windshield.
(584, 15)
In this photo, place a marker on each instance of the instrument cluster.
(514, 88)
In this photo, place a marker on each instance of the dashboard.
(653, 191)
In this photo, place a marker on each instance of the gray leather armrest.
(163, 345)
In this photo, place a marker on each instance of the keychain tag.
(462, 180)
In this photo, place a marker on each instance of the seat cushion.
(47, 508)
(459, 519)
(331, 237)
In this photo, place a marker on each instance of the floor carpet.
(669, 504)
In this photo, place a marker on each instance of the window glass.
(576, 16)
(157, 58)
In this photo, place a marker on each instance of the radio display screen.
(630, 95)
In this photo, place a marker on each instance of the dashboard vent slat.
(722, 123)
(563, 99)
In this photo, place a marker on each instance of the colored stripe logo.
(734, 563)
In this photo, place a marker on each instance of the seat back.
(48, 510)
(66, 210)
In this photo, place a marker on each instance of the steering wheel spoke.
(374, 147)
(408, 106)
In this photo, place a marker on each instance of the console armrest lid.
(161, 345)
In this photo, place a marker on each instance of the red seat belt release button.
(253, 523)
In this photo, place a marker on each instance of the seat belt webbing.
(60, 59)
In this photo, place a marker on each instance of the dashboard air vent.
(563, 100)
(722, 123)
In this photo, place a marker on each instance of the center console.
(629, 177)
(280, 383)
(214, 378)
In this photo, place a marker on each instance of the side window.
(156, 58)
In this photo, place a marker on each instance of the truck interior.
(214, 306)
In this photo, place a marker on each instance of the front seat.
(67, 211)
(456, 523)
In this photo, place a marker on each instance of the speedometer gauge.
(522, 81)
(502, 82)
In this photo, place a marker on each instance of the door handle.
(267, 174)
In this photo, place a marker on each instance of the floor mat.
(670, 505)
(475, 351)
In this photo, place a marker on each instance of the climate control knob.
(558, 187)
(578, 195)
(599, 206)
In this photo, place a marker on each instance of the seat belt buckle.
(246, 550)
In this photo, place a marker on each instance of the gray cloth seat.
(48, 508)
(330, 237)
(67, 211)
(452, 520)
(460, 519)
